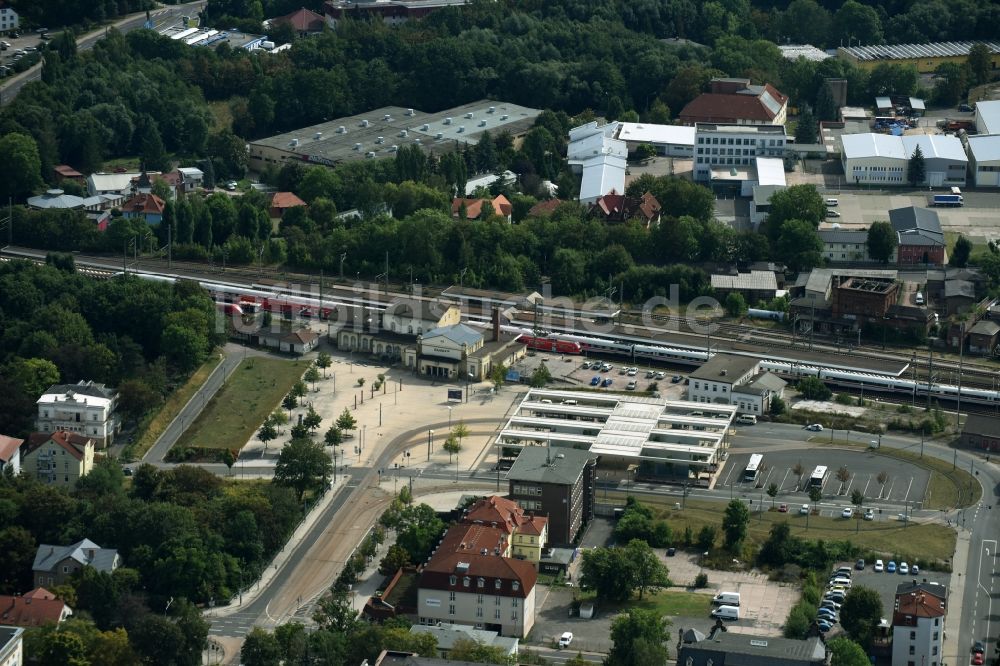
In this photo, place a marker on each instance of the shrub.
(701, 581)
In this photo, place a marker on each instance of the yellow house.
(925, 57)
(59, 458)
(529, 537)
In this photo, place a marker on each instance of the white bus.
(818, 477)
(753, 468)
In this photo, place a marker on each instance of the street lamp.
(430, 444)
(449, 417)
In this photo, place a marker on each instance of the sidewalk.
(951, 652)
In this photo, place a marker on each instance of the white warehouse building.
(984, 160)
(883, 159)
(667, 140)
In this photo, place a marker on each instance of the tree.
(647, 571)
(16, 546)
(813, 388)
(843, 475)
(229, 459)
(312, 375)
(845, 652)
(605, 571)
(461, 431)
(20, 168)
(960, 254)
(33, 375)
(799, 246)
(734, 524)
(736, 305)
(861, 613)
(798, 470)
(267, 433)
(772, 492)
(857, 498)
(856, 22)
(497, 375)
(979, 63)
(881, 241)
(916, 168)
(815, 495)
(346, 421)
(150, 144)
(323, 361)
(260, 648)
(312, 419)
(805, 128)
(395, 559)
(639, 638)
(466, 649)
(289, 402)
(333, 436)
(706, 537)
(452, 446)
(541, 376)
(798, 202)
(882, 477)
(299, 389)
(303, 465)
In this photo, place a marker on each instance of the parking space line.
(782, 484)
(867, 483)
(888, 493)
(849, 484)
(908, 486)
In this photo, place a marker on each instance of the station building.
(634, 436)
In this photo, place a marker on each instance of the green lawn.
(254, 390)
(675, 602)
(916, 541)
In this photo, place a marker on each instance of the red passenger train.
(552, 345)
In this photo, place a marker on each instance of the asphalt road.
(161, 18)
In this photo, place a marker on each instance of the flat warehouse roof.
(353, 137)
(908, 51)
(662, 134)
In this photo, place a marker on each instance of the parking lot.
(886, 583)
(764, 604)
(904, 483)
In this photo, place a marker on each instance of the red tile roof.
(34, 609)
(145, 204)
(284, 200)
(303, 20)
(496, 511)
(731, 107)
(67, 171)
(915, 605)
(543, 208)
(74, 444)
(8, 446)
(614, 207)
(533, 525)
(474, 207)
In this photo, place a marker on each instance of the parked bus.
(753, 468)
(818, 477)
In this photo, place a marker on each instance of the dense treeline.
(57, 13)
(185, 536)
(58, 326)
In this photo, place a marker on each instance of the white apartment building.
(471, 579)
(9, 20)
(918, 624)
(85, 408)
(724, 147)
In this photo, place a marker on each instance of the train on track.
(243, 300)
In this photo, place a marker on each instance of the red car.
(977, 658)
(783, 508)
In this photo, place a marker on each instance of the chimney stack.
(496, 324)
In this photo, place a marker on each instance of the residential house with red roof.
(476, 209)
(303, 21)
(148, 207)
(59, 457)
(66, 172)
(615, 207)
(34, 609)
(737, 102)
(484, 570)
(10, 454)
(545, 208)
(282, 201)
(918, 623)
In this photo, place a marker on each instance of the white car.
(869, 514)
(804, 510)
(632, 372)
(815, 427)
(914, 569)
(566, 639)
(904, 568)
(847, 513)
(879, 566)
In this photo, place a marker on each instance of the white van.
(726, 613)
(832, 202)
(919, 298)
(726, 599)
(748, 419)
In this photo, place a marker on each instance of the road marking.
(979, 581)
(908, 486)
(868, 483)
(784, 478)
(888, 493)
